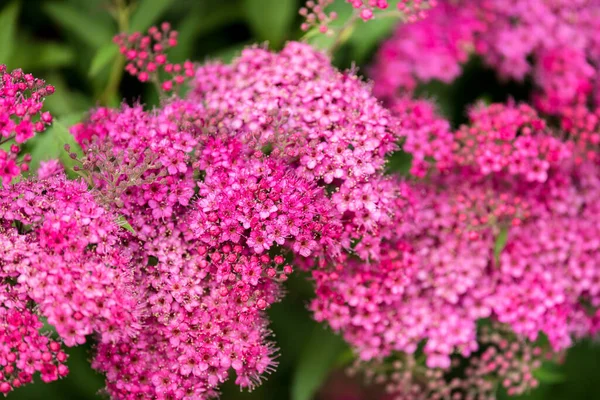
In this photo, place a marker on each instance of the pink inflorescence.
(274, 159)
(21, 117)
(554, 42)
(25, 350)
(60, 259)
(501, 230)
(316, 14)
(324, 124)
(146, 57)
(510, 138)
(424, 134)
(202, 281)
(505, 360)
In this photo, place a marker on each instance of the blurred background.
(68, 43)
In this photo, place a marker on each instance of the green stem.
(342, 35)
(116, 73)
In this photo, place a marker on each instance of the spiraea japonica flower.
(278, 158)
(501, 231)
(323, 123)
(316, 12)
(552, 42)
(61, 259)
(21, 117)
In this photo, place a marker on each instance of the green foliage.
(51, 144)
(147, 13)
(320, 353)
(270, 19)
(40, 55)
(8, 26)
(104, 57)
(80, 24)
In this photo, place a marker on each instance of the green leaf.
(199, 21)
(104, 56)
(368, 35)
(270, 19)
(147, 13)
(548, 374)
(321, 352)
(65, 100)
(50, 144)
(8, 27)
(500, 243)
(91, 30)
(122, 222)
(42, 55)
(229, 53)
(399, 162)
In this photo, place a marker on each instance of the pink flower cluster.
(424, 134)
(501, 230)
(554, 42)
(273, 159)
(25, 350)
(21, 117)
(509, 138)
(323, 123)
(60, 260)
(146, 56)
(316, 14)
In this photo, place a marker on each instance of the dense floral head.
(501, 231)
(554, 42)
(323, 123)
(61, 259)
(147, 59)
(21, 117)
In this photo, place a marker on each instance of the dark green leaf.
(399, 162)
(8, 26)
(367, 36)
(199, 21)
(42, 55)
(229, 53)
(320, 354)
(93, 31)
(65, 100)
(549, 374)
(147, 12)
(270, 19)
(104, 56)
(50, 144)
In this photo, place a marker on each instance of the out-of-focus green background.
(68, 43)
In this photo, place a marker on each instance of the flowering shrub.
(186, 219)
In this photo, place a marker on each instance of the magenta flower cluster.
(554, 43)
(322, 123)
(60, 262)
(21, 117)
(500, 229)
(317, 15)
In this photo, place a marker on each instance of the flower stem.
(116, 73)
